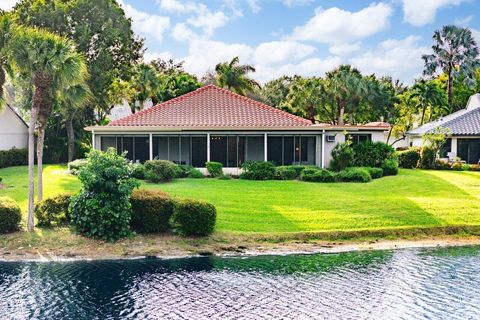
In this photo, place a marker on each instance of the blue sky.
(306, 37)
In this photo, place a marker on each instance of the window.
(184, 150)
(359, 137)
(288, 150)
(199, 151)
(447, 147)
(136, 147)
(469, 150)
(108, 142)
(233, 150)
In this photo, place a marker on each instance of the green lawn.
(414, 198)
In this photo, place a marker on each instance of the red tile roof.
(211, 106)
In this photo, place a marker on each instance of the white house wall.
(13, 131)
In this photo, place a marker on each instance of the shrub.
(13, 157)
(102, 209)
(317, 175)
(371, 154)
(53, 211)
(194, 218)
(215, 169)
(427, 158)
(374, 172)
(285, 173)
(457, 165)
(473, 167)
(258, 170)
(442, 165)
(76, 165)
(10, 215)
(151, 211)
(465, 167)
(390, 167)
(160, 170)
(138, 171)
(182, 171)
(195, 173)
(225, 176)
(409, 158)
(342, 156)
(354, 175)
(298, 169)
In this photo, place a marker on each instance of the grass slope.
(414, 198)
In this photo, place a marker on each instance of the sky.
(304, 37)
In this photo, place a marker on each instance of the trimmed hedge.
(76, 165)
(194, 217)
(195, 174)
(151, 211)
(390, 167)
(160, 170)
(317, 175)
(54, 211)
(138, 171)
(13, 157)
(285, 173)
(258, 170)
(371, 154)
(374, 172)
(354, 175)
(215, 169)
(408, 159)
(10, 215)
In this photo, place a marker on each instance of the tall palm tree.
(145, 83)
(5, 34)
(429, 96)
(52, 64)
(234, 76)
(455, 52)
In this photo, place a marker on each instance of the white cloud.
(476, 35)
(177, 6)
(279, 51)
(8, 4)
(335, 25)
(145, 23)
(183, 33)
(464, 21)
(254, 6)
(297, 3)
(207, 20)
(149, 56)
(422, 12)
(344, 48)
(397, 58)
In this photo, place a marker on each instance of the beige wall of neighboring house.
(13, 130)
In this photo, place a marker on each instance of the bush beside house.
(13, 157)
(10, 215)
(151, 211)
(54, 211)
(160, 170)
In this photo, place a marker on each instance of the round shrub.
(427, 158)
(285, 173)
(298, 169)
(457, 165)
(10, 215)
(442, 164)
(215, 169)
(354, 175)
(151, 211)
(53, 211)
(317, 175)
(374, 172)
(390, 167)
(160, 170)
(138, 171)
(258, 170)
(194, 218)
(475, 167)
(195, 174)
(342, 156)
(408, 159)
(371, 154)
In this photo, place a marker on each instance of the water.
(403, 284)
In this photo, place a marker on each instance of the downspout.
(93, 139)
(265, 146)
(323, 149)
(150, 146)
(208, 147)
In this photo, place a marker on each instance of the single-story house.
(214, 124)
(464, 127)
(13, 129)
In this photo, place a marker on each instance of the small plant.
(354, 175)
(408, 159)
(151, 211)
(76, 165)
(194, 218)
(390, 167)
(258, 170)
(195, 174)
(475, 167)
(54, 211)
(160, 170)
(317, 175)
(442, 165)
(457, 165)
(215, 169)
(285, 173)
(342, 156)
(225, 176)
(10, 215)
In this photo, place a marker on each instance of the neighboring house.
(122, 110)
(464, 127)
(213, 124)
(13, 129)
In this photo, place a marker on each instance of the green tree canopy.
(234, 76)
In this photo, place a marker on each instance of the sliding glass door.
(181, 149)
(469, 150)
(135, 147)
(288, 150)
(233, 150)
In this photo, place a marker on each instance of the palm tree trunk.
(31, 163)
(40, 140)
(450, 86)
(424, 108)
(71, 139)
(341, 112)
(2, 82)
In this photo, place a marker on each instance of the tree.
(145, 84)
(174, 85)
(234, 76)
(274, 92)
(52, 64)
(5, 34)
(429, 96)
(455, 52)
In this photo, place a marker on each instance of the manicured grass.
(414, 198)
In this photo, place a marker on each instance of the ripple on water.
(403, 284)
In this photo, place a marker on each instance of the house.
(13, 129)
(214, 124)
(464, 127)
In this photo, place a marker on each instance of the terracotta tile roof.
(211, 106)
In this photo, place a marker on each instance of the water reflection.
(404, 284)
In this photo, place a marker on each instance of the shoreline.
(243, 250)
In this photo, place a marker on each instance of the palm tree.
(455, 52)
(52, 64)
(5, 34)
(429, 96)
(234, 76)
(145, 83)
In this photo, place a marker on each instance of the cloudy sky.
(307, 37)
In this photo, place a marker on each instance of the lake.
(441, 283)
